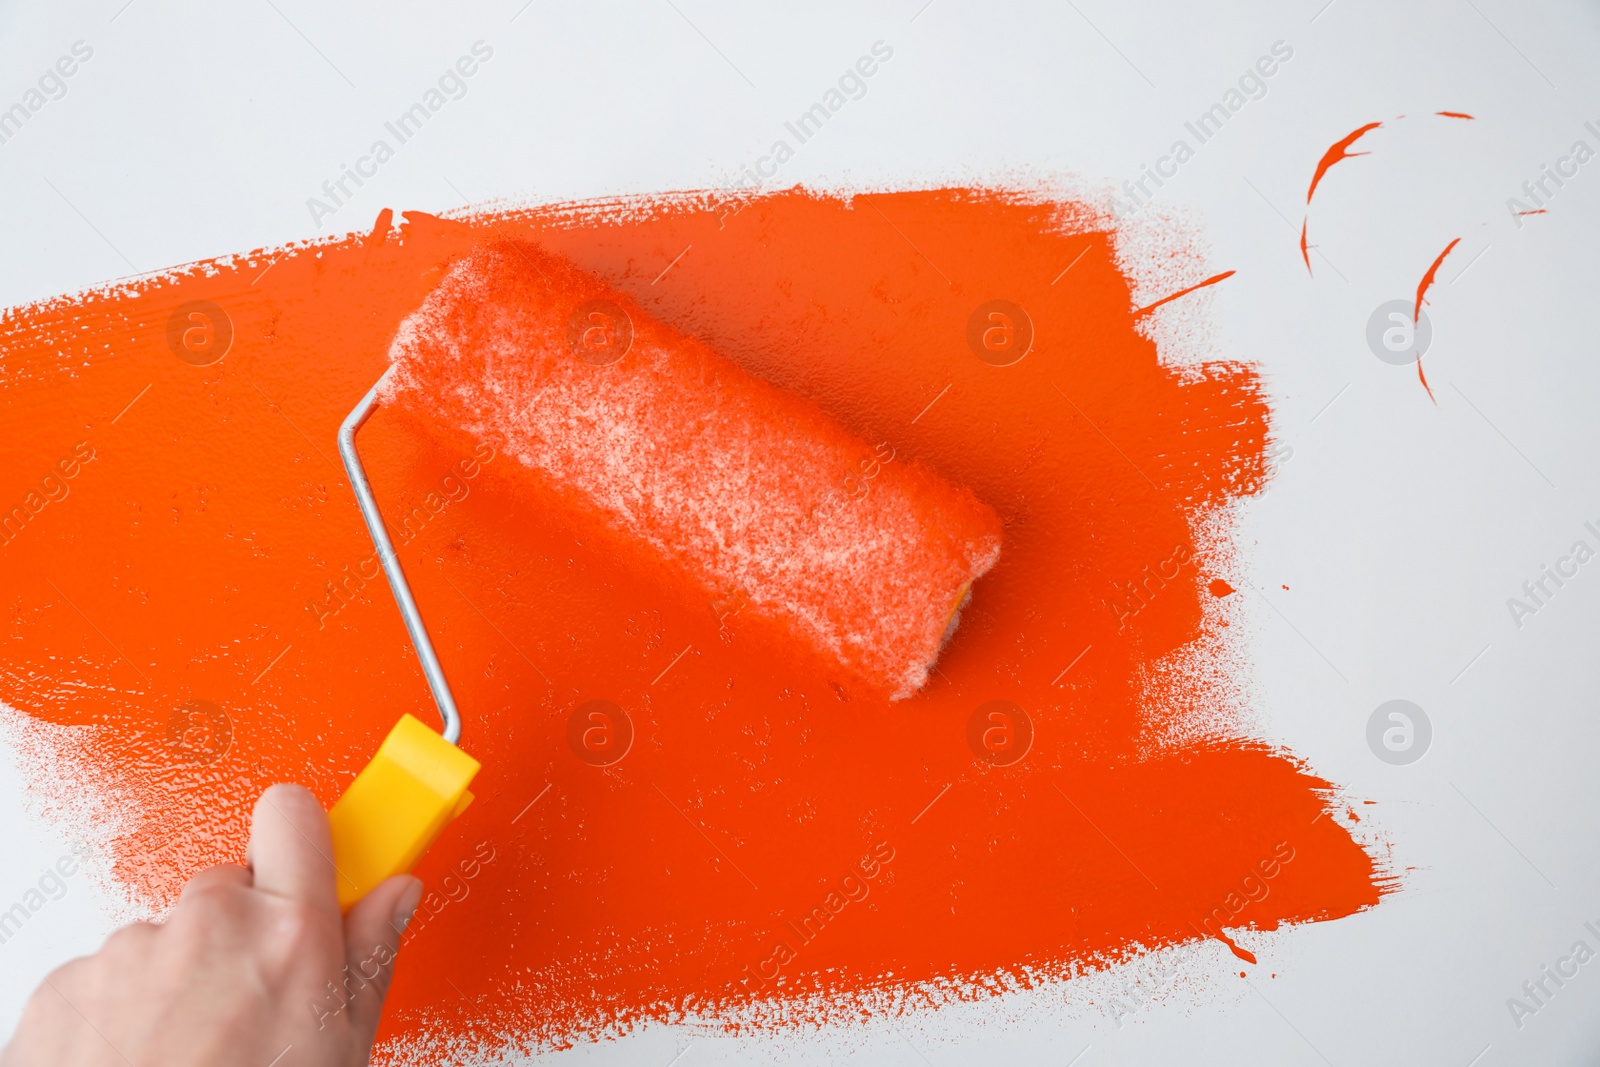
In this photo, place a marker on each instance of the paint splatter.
(1213, 280)
(1427, 279)
(200, 613)
(1220, 588)
(1233, 946)
(1423, 378)
(1336, 153)
(1416, 311)
(1535, 211)
(1454, 114)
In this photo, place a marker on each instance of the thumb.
(372, 932)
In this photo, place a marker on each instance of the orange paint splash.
(196, 611)
(1416, 311)
(1233, 946)
(1336, 153)
(1423, 378)
(1213, 280)
(1427, 279)
(1454, 114)
(1220, 588)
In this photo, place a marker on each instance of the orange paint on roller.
(751, 490)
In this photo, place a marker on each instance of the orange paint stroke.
(1423, 378)
(1416, 311)
(1213, 280)
(380, 228)
(1535, 211)
(1454, 114)
(778, 847)
(1233, 946)
(1220, 588)
(1427, 280)
(1336, 153)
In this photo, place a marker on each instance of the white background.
(1400, 528)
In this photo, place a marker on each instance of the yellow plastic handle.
(397, 806)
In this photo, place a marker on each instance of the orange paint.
(1234, 947)
(1427, 279)
(1213, 280)
(1453, 114)
(867, 560)
(776, 845)
(1336, 153)
(1416, 312)
(1220, 588)
(1423, 378)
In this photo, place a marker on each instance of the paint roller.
(748, 491)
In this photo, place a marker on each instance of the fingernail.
(407, 906)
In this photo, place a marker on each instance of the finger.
(222, 876)
(372, 938)
(291, 850)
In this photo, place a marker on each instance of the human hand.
(254, 965)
